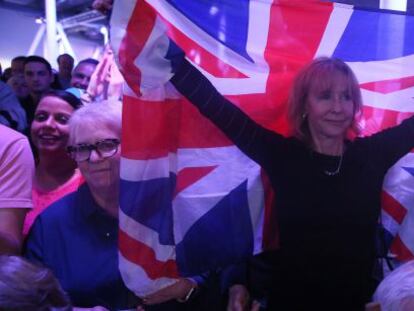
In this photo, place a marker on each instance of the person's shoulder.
(8, 135)
(59, 210)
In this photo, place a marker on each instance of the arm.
(16, 173)
(387, 147)
(249, 136)
(11, 224)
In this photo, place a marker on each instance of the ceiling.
(80, 19)
(64, 7)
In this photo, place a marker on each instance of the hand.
(239, 299)
(103, 6)
(178, 290)
(106, 81)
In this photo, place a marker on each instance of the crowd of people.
(59, 196)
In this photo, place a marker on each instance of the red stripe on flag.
(152, 129)
(377, 119)
(137, 33)
(389, 86)
(144, 256)
(200, 55)
(191, 175)
(149, 128)
(393, 207)
(270, 227)
(400, 250)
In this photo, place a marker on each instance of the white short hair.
(397, 289)
(105, 113)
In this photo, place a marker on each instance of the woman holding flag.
(327, 186)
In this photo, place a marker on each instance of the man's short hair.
(19, 59)
(64, 55)
(38, 59)
(89, 61)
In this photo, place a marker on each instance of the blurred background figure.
(104, 6)
(65, 63)
(56, 174)
(7, 73)
(39, 77)
(11, 112)
(17, 65)
(19, 86)
(25, 286)
(82, 73)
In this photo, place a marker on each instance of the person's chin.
(50, 147)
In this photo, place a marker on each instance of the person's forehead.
(328, 81)
(65, 59)
(84, 68)
(35, 66)
(91, 132)
(17, 62)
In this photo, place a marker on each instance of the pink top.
(43, 199)
(16, 169)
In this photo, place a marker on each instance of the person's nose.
(337, 103)
(84, 83)
(95, 156)
(50, 122)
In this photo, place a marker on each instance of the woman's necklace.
(338, 169)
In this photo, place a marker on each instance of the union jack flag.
(190, 200)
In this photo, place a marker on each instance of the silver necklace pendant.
(338, 169)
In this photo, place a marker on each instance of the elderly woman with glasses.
(76, 237)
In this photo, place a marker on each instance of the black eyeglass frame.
(71, 150)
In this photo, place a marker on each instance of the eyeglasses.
(82, 152)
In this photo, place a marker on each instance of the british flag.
(190, 200)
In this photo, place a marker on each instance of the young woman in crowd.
(56, 173)
(327, 187)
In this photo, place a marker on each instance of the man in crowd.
(81, 75)
(65, 63)
(17, 65)
(11, 112)
(39, 77)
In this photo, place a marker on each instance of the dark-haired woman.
(56, 173)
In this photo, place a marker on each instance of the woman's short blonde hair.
(321, 74)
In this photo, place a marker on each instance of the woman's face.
(50, 130)
(330, 111)
(99, 172)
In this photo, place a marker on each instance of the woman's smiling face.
(50, 129)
